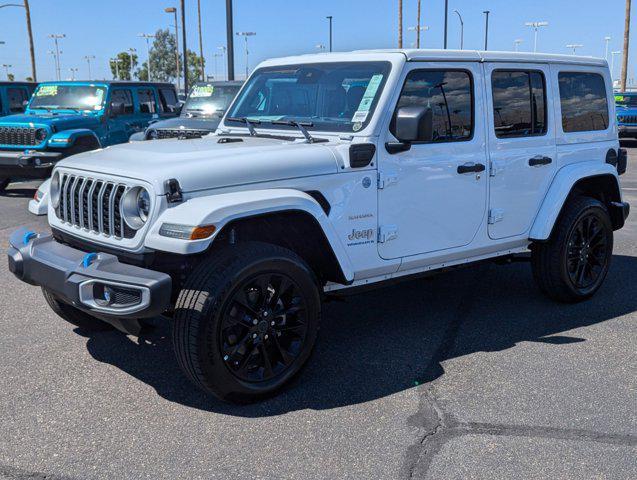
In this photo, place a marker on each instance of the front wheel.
(573, 264)
(246, 321)
(4, 183)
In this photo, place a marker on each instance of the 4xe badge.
(361, 237)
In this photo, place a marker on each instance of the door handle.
(539, 161)
(471, 168)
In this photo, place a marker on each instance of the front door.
(522, 145)
(121, 117)
(433, 196)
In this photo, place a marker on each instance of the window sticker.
(368, 98)
(619, 98)
(47, 91)
(202, 91)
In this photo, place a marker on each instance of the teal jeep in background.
(65, 118)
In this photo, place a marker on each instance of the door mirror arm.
(397, 147)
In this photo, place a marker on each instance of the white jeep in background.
(330, 172)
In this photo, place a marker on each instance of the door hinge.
(495, 215)
(495, 168)
(386, 179)
(387, 233)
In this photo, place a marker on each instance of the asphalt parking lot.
(471, 374)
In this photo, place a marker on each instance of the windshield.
(335, 97)
(626, 100)
(210, 99)
(68, 97)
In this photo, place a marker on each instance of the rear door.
(521, 143)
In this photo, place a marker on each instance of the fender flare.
(67, 138)
(221, 209)
(558, 192)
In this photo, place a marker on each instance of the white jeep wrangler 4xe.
(329, 172)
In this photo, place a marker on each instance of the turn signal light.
(186, 232)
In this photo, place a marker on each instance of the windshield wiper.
(248, 123)
(300, 125)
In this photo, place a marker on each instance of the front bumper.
(73, 275)
(627, 131)
(29, 163)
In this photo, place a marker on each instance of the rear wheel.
(4, 183)
(573, 264)
(73, 315)
(246, 321)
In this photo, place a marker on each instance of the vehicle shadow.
(383, 342)
(18, 192)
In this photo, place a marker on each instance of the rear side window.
(125, 98)
(449, 94)
(168, 99)
(146, 101)
(584, 102)
(17, 97)
(519, 103)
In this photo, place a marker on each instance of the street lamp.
(607, 40)
(88, 59)
(27, 11)
(131, 52)
(56, 37)
(6, 69)
(461, 29)
(517, 43)
(612, 63)
(215, 56)
(148, 36)
(422, 28)
(224, 49)
(173, 10)
(574, 47)
(73, 70)
(330, 18)
(245, 36)
(536, 26)
(116, 62)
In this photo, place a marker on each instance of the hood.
(624, 110)
(61, 121)
(199, 123)
(202, 164)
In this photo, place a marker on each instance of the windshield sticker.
(368, 98)
(357, 126)
(47, 91)
(619, 98)
(201, 91)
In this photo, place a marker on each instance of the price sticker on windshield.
(201, 91)
(368, 98)
(47, 91)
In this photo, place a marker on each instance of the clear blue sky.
(103, 28)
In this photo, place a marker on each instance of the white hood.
(204, 163)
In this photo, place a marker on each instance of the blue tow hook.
(28, 236)
(88, 259)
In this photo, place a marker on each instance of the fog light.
(103, 295)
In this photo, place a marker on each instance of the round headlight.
(152, 134)
(136, 207)
(41, 134)
(54, 190)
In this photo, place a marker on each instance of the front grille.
(626, 119)
(93, 205)
(180, 133)
(18, 136)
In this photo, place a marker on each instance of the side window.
(168, 99)
(146, 101)
(449, 94)
(519, 103)
(584, 102)
(122, 102)
(17, 97)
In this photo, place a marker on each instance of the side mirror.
(414, 124)
(25, 103)
(117, 109)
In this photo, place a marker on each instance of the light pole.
(422, 28)
(201, 59)
(56, 37)
(230, 41)
(517, 43)
(183, 43)
(330, 19)
(536, 26)
(486, 30)
(148, 36)
(88, 59)
(606, 41)
(116, 62)
(73, 70)
(6, 69)
(27, 11)
(173, 10)
(461, 29)
(215, 56)
(574, 47)
(446, 20)
(245, 36)
(131, 52)
(224, 50)
(612, 63)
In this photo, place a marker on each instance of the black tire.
(572, 265)
(4, 183)
(222, 307)
(74, 316)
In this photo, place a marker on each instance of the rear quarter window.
(584, 102)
